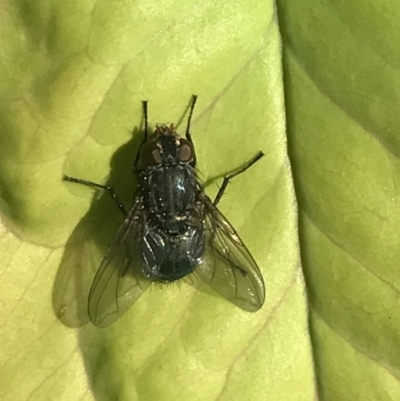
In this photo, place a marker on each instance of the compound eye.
(185, 151)
(150, 154)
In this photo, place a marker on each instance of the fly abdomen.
(171, 257)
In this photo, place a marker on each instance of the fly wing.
(119, 281)
(228, 266)
(79, 263)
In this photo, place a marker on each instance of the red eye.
(185, 151)
(150, 154)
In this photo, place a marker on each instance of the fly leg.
(146, 134)
(229, 177)
(107, 188)
(187, 134)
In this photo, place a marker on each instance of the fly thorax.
(169, 195)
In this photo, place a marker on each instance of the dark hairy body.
(174, 243)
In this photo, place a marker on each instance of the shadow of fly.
(173, 229)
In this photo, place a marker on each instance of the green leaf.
(72, 78)
(341, 69)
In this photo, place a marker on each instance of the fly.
(172, 230)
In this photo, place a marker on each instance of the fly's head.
(166, 148)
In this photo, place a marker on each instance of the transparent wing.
(228, 266)
(119, 281)
(79, 263)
